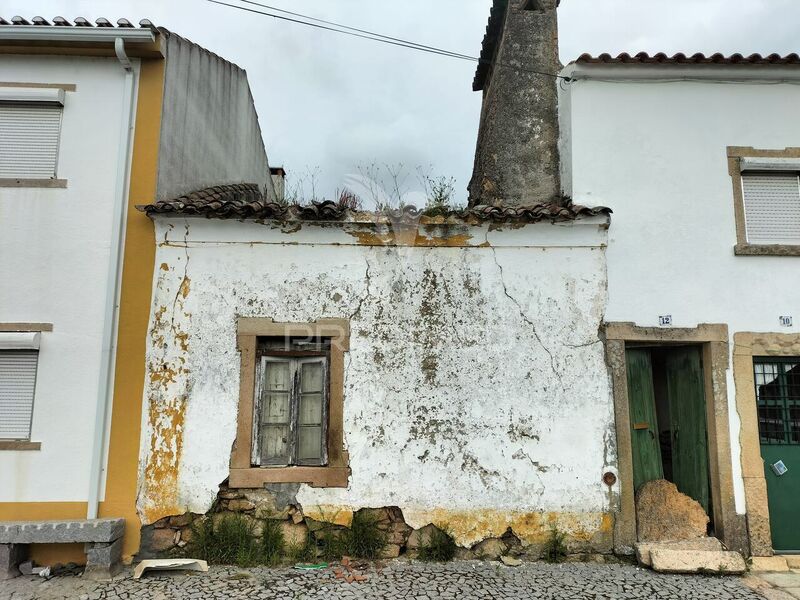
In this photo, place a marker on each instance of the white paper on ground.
(170, 564)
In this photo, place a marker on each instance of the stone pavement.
(396, 580)
(779, 585)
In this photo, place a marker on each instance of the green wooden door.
(778, 393)
(644, 428)
(687, 408)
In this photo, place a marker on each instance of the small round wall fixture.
(609, 478)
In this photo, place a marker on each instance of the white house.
(698, 157)
(93, 120)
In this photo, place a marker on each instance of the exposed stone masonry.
(170, 535)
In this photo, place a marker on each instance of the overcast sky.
(335, 102)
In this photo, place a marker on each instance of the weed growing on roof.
(439, 191)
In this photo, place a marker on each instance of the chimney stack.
(517, 161)
(278, 175)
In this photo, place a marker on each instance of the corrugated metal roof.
(245, 201)
(694, 59)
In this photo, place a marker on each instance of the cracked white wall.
(475, 381)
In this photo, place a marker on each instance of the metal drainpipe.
(113, 280)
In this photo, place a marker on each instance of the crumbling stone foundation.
(170, 535)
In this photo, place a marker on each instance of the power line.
(410, 45)
(364, 31)
(372, 36)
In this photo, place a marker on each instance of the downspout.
(113, 278)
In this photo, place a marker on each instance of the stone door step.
(719, 562)
(644, 549)
(775, 564)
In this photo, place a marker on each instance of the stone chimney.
(517, 161)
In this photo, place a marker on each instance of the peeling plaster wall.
(658, 158)
(476, 391)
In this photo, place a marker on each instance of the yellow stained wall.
(134, 315)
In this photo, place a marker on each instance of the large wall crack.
(525, 317)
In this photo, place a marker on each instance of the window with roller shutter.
(772, 207)
(30, 131)
(17, 386)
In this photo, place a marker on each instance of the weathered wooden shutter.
(312, 412)
(17, 385)
(276, 412)
(29, 137)
(292, 412)
(772, 207)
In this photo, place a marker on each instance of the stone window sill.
(766, 250)
(19, 445)
(33, 183)
(319, 477)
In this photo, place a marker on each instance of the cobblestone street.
(398, 580)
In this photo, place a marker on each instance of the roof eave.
(621, 72)
(141, 42)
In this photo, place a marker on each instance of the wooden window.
(291, 399)
(291, 409)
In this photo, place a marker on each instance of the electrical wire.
(364, 31)
(375, 37)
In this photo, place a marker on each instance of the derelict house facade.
(528, 362)
(523, 363)
(441, 368)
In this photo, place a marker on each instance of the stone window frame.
(336, 473)
(747, 346)
(743, 247)
(713, 339)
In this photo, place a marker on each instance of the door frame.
(729, 526)
(747, 345)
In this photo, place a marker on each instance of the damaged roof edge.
(245, 201)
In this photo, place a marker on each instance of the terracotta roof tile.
(245, 201)
(695, 59)
(77, 22)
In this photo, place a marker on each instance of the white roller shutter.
(17, 384)
(29, 135)
(772, 207)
